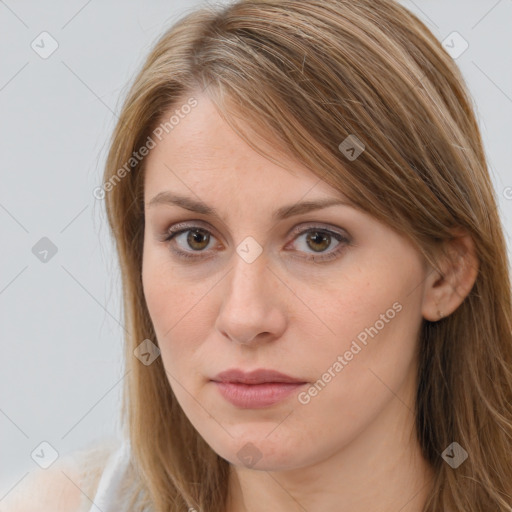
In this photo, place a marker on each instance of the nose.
(253, 308)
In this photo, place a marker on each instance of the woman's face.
(238, 289)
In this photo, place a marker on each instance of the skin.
(352, 447)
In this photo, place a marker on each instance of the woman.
(315, 276)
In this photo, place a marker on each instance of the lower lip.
(256, 396)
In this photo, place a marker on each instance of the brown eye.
(318, 241)
(189, 242)
(196, 239)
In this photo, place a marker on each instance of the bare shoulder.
(65, 486)
(47, 489)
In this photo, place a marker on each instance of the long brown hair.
(305, 75)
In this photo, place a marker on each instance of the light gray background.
(61, 333)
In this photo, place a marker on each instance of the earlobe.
(446, 289)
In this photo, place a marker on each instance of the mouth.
(259, 376)
(257, 389)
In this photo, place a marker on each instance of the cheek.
(164, 295)
(179, 311)
(368, 364)
(376, 321)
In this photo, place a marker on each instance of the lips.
(260, 376)
(257, 389)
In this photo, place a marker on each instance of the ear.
(445, 291)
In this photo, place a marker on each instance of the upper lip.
(259, 376)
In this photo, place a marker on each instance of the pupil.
(195, 236)
(322, 237)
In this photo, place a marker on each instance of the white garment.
(107, 498)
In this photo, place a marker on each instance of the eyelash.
(344, 241)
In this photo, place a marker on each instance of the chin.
(253, 448)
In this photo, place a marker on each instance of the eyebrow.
(170, 198)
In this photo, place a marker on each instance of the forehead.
(202, 155)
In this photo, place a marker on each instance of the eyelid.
(181, 226)
(301, 228)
